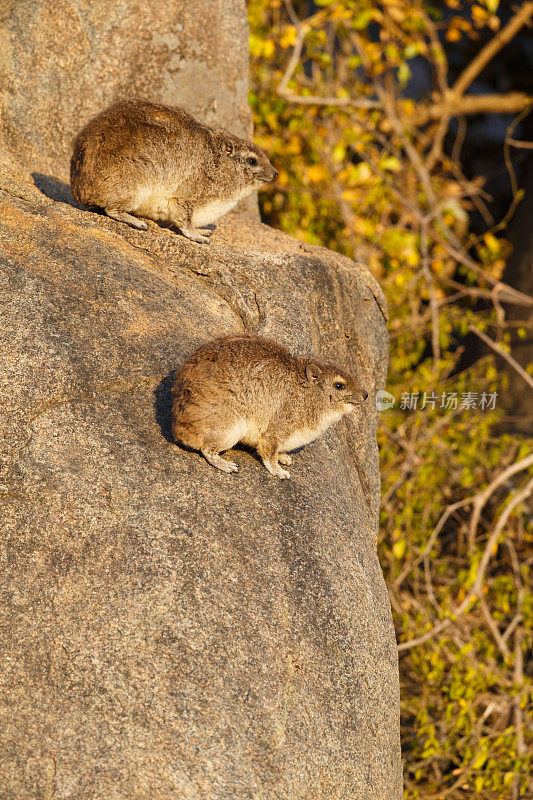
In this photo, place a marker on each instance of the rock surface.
(170, 631)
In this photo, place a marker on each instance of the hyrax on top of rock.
(248, 389)
(143, 159)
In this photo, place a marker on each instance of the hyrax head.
(245, 159)
(337, 389)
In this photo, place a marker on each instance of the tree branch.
(315, 100)
(451, 106)
(485, 55)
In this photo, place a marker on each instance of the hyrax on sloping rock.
(245, 388)
(138, 159)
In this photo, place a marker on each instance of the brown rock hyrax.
(142, 159)
(248, 389)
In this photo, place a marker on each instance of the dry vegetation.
(368, 167)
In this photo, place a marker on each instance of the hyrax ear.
(227, 147)
(312, 372)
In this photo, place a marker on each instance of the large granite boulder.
(170, 631)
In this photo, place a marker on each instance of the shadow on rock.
(163, 406)
(55, 189)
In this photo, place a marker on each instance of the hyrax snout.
(249, 389)
(139, 159)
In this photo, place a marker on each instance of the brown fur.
(141, 159)
(245, 388)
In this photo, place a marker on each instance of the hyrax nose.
(365, 395)
(275, 175)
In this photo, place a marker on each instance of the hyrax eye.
(252, 161)
(339, 385)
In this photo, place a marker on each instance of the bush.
(367, 168)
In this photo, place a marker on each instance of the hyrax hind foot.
(123, 216)
(194, 236)
(285, 459)
(220, 463)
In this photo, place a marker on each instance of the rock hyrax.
(248, 389)
(142, 159)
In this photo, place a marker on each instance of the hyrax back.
(248, 389)
(141, 159)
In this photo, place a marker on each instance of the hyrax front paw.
(276, 470)
(285, 459)
(227, 466)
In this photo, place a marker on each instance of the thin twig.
(518, 143)
(294, 59)
(518, 717)
(434, 307)
(293, 16)
(482, 497)
(480, 574)
(432, 539)
(493, 627)
(507, 293)
(459, 139)
(507, 356)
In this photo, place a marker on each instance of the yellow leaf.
(269, 48)
(317, 173)
(294, 146)
(256, 45)
(288, 36)
(453, 34)
(339, 152)
(399, 548)
(479, 15)
(272, 120)
(480, 760)
(391, 163)
(493, 244)
(350, 195)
